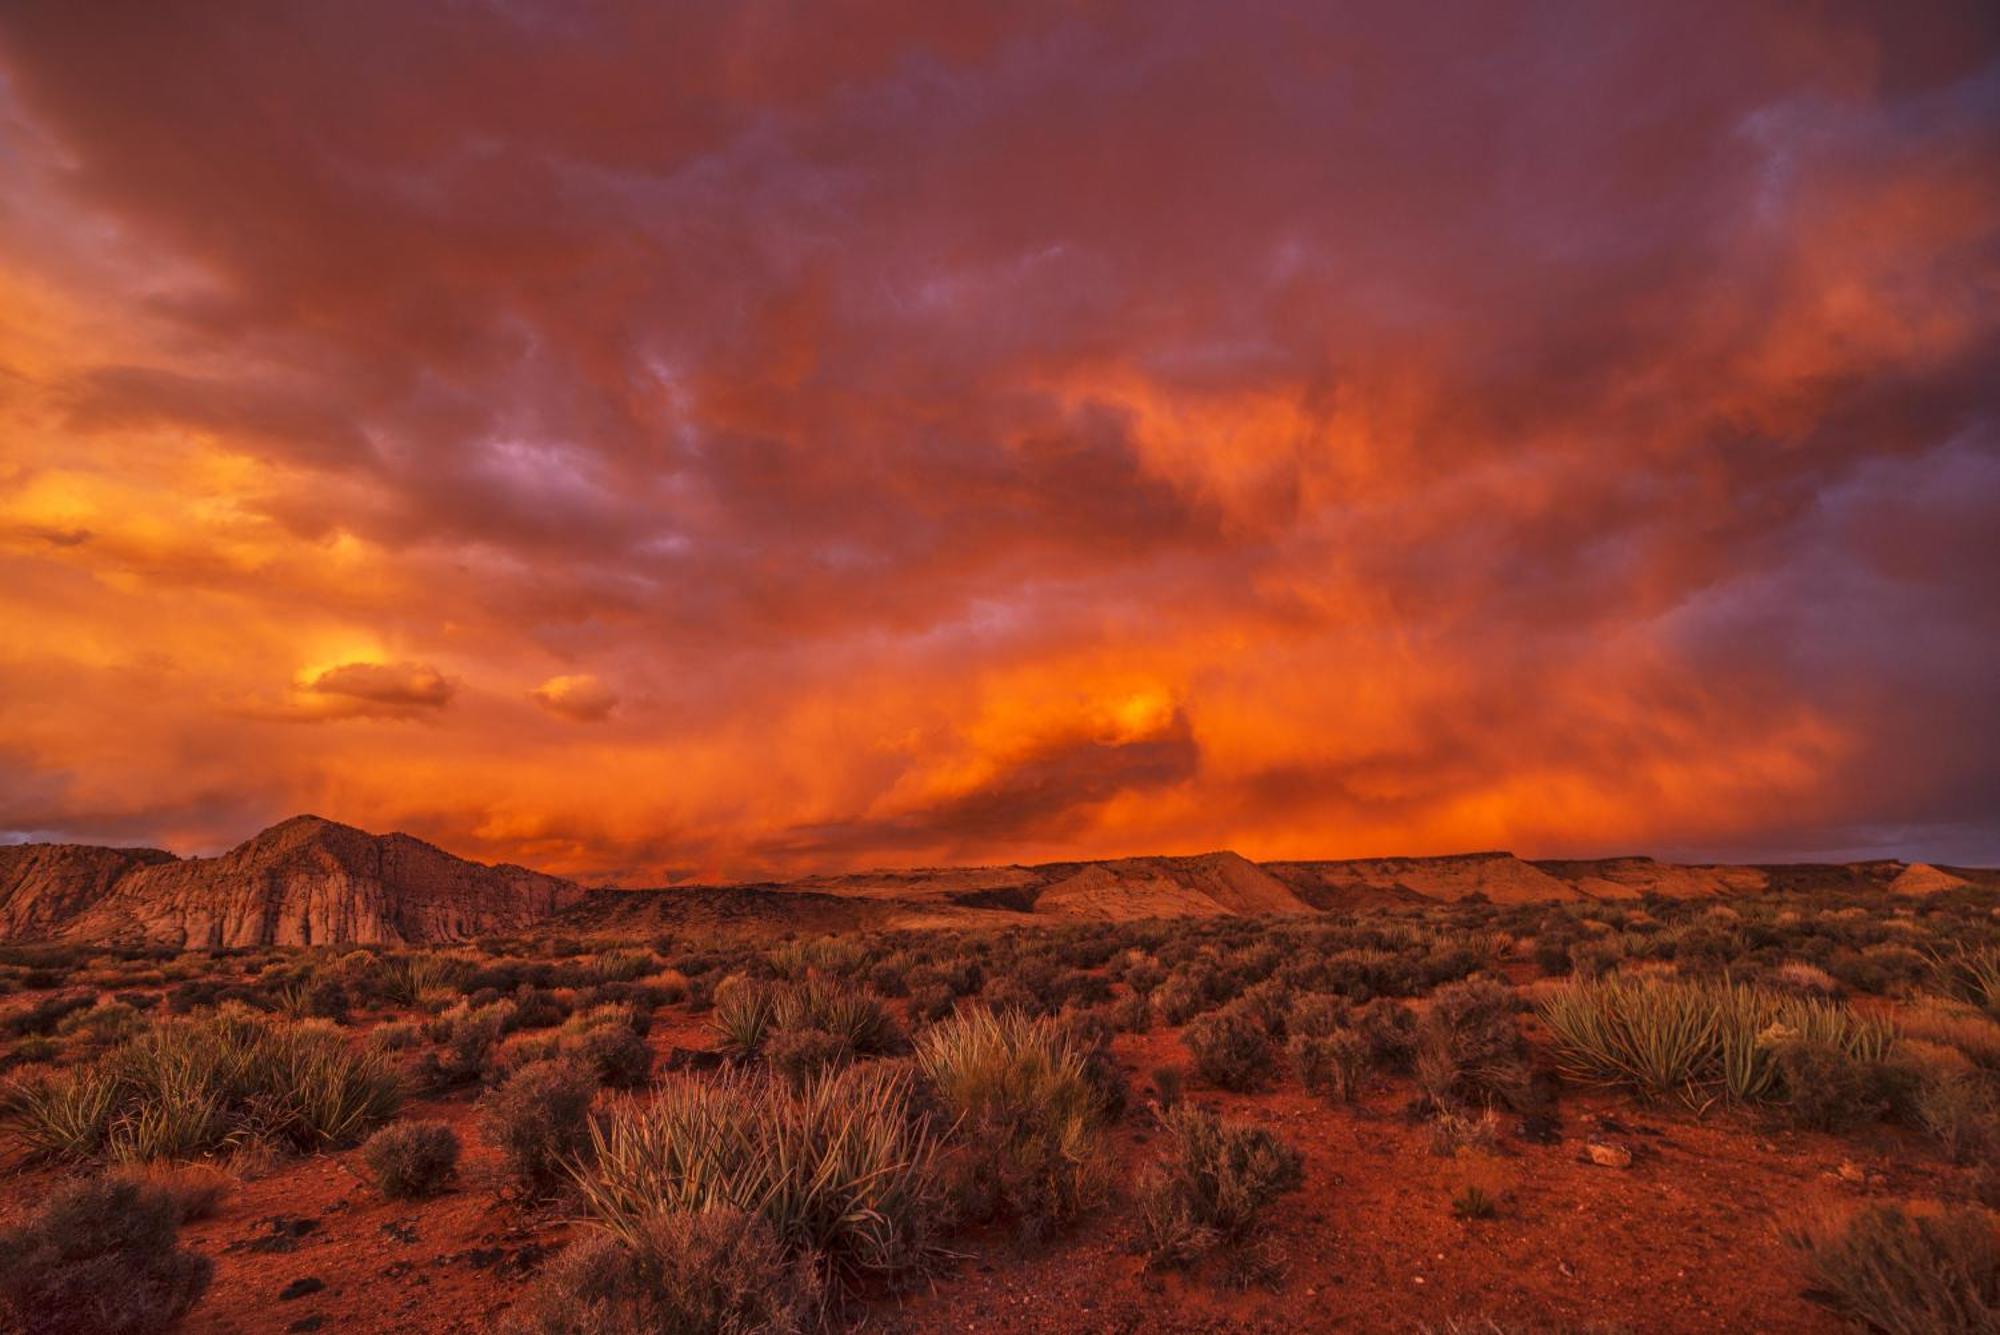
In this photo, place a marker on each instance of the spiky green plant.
(744, 1015)
(1029, 1114)
(840, 1169)
(1969, 973)
(1697, 1038)
(185, 1087)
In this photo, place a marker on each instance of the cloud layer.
(909, 434)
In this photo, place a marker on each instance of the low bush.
(1390, 1030)
(1469, 1049)
(1330, 1067)
(540, 1121)
(689, 1271)
(1906, 1274)
(99, 1258)
(1231, 1048)
(1212, 1185)
(411, 1160)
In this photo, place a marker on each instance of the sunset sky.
(646, 441)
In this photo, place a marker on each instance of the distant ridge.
(310, 881)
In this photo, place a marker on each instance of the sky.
(654, 441)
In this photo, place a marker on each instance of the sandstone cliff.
(306, 881)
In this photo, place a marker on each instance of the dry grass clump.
(1970, 973)
(1953, 1025)
(1212, 1185)
(716, 1270)
(842, 1171)
(187, 1087)
(1906, 1274)
(411, 1160)
(99, 1258)
(1029, 1112)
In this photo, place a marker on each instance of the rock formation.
(304, 882)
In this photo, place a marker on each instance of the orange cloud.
(1004, 433)
(579, 697)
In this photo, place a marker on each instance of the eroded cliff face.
(304, 882)
(45, 886)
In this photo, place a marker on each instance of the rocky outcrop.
(45, 886)
(304, 882)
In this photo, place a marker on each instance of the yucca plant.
(1697, 1038)
(1029, 1115)
(857, 1020)
(840, 1169)
(411, 980)
(1969, 973)
(744, 1015)
(196, 1086)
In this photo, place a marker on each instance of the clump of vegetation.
(1469, 1050)
(540, 1121)
(1331, 1067)
(1028, 1114)
(718, 1269)
(101, 1257)
(411, 1160)
(1231, 1047)
(745, 1014)
(1700, 1038)
(1907, 1274)
(187, 1087)
(1212, 1186)
(842, 1170)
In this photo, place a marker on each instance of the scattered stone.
(282, 1234)
(1851, 1171)
(692, 1059)
(1607, 1155)
(1541, 1129)
(313, 1322)
(302, 1287)
(402, 1230)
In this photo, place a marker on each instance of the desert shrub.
(540, 1121)
(931, 1001)
(1179, 999)
(99, 1258)
(1317, 1015)
(1962, 1115)
(411, 1159)
(1390, 1030)
(1658, 1035)
(468, 1035)
(744, 1015)
(192, 1190)
(538, 1008)
(800, 1054)
(684, 1271)
(186, 1087)
(1825, 1087)
(1330, 1067)
(840, 1170)
(1231, 1047)
(45, 1015)
(1029, 1112)
(615, 1054)
(1469, 1050)
(1212, 1185)
(1907, 1274)
(1953, 1025)
(412, 980)
(855, 1019)
(1970, 973)
(396, 1036)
